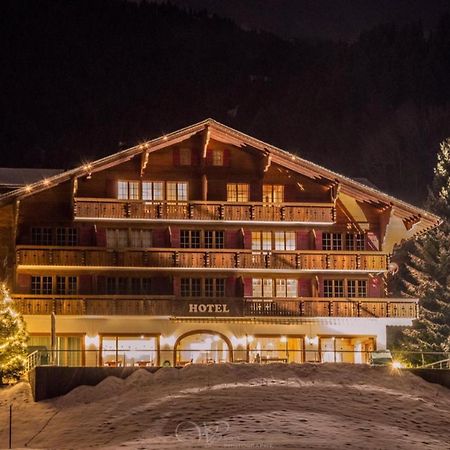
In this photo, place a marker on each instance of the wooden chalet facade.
(205, 245)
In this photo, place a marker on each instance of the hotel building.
(204, 245)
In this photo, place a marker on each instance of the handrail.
(442, 364)
(33, 360)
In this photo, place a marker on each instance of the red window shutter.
(85, 235)
(175, 237)
(290, 193)
(176, 286)
(302, 240)
(100, 237)
(374, 287)
(232, 239)
(230, 287)
(111, 188)
(226, 157)
(24, 283)
(209, 157)
(176, 156)
(372, 241)
(247, 239)
(318, 240)
(248, 287)
(84, 284)
(320, 286)
(195, 157)
(304, 287)
(159, 237)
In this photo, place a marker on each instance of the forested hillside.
(83, 78)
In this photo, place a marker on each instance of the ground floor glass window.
(129, 351)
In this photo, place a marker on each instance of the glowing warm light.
(165, 138)
(46, 182)
(250, 339)
(168, 340)
(283, 339)
(238, 342)
(28, 188)
(216, 338)
(397, 365)
(312, 340)
(92, 341)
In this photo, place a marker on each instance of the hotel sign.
(216, 308)
(205, 308)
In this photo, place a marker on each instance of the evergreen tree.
(13, 339)
(428, 271)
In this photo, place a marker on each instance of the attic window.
(185, 157)
(217, 157)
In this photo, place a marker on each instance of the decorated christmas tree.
(13, 339)
(427, 274)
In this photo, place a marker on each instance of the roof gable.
(211, 129)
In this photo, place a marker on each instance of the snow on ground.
(245, 406)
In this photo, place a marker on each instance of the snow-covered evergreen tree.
(428, 270)
(13, 338)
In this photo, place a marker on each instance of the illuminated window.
(262, 287)
(177, 191)
(153, 190)
(286, 287)
(273, 193)
(284, 240)
(261, 240)
(128, 190)
(257, 287)
(185, 157)
(237, 192)
(217, 157)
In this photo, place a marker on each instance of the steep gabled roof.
(211, 129)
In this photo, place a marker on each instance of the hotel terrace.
(204, 246)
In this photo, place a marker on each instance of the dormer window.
(185, 157)
(217, 157)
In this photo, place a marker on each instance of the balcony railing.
(223, 307)
(314, 260)
(95, 208)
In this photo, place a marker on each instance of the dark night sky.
(335, 19)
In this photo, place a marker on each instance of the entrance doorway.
(202, 347)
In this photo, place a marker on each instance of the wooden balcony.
(201, 258)
(95, 208)
(105, 305)
(331, 307)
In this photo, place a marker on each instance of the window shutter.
(231, 239)
(290, 193)
(230, 287)
(195, 157)
(209, 158)
(247, 239)
(111, 188)
(304, 287)
(248, 287)
(24, 283)
(372, 242)
(176, 286)
(302, 240)
(175, 237)
(318, 240)
(100, 237)
(374, 286)
(86, 234)
(255, 194)
(159, 237)
(226, 157)
(84, 284)
(176, 157)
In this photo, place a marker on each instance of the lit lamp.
(92, 341)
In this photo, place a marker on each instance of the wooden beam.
(206, 138)
(204, 188)
(268, 162)
(144, 161)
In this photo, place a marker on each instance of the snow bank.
(240, 405)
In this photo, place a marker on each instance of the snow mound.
(140, 377)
